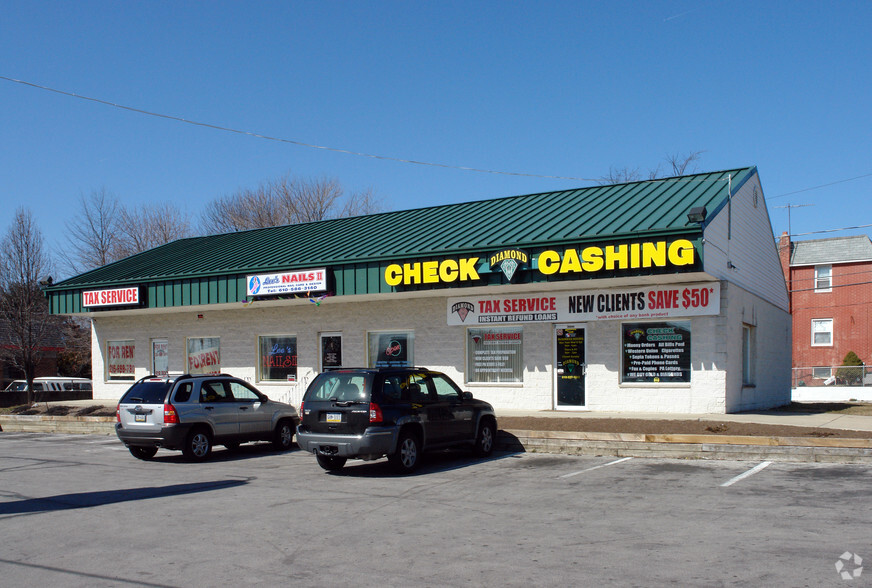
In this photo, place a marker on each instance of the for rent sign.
(652, 302)
(113, 297)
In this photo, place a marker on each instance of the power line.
(291, 141)
(832, 230)
(821, 186)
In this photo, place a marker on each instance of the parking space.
(79, 510)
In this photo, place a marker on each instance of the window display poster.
(656, 352)
(204, 355)
(278, 358)
(160, 357)
(495, 354)
(119, 360)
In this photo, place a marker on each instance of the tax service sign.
(651, 302)
(111, 297)
(314, 280)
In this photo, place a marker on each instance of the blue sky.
(547, 88)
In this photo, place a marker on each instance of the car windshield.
(147, 392)
(340, 386)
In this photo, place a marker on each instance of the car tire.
(331, 463)
(283, 436)
(144, 453)
(198, 445)
(408, 455)
(486, 438)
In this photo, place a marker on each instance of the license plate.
(139, 418)
(334, 417)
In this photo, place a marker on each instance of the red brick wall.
(850, 307)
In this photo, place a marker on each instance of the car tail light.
(170, 415)
(301, 410)
(375, 413)
(118, 413)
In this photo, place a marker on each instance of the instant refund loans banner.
(652, 302)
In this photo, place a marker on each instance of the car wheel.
(283, 435)
(408, 454)
(198, 445)
(331, 463)
(143, 452)
(486, 439)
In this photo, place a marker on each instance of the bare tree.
(23, 308)
(104, 230)
(92, 233)
(677, 163)
(149, 226)
(287, 200)
(75, 357)
(680, 163)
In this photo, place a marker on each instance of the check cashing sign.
(655, 302)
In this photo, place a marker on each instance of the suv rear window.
(340, 386)
(150, 392)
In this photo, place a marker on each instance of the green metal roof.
(600, 213)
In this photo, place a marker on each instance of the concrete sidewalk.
(823, 420)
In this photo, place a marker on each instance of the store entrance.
(570, 367)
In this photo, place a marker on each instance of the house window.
(823, 278)
(821, 373)
(748, 354)
(822, 332)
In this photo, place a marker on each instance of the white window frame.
(822, 322)
(749, 353)
(823, 278)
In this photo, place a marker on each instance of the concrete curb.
(792, 449)
(57, 424)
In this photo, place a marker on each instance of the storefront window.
(391, 349)
(656, 352)
(278, 358)
(331, 351)
(495, 354)
(204, 355)
(119, 360)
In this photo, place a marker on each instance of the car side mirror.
(467, 395)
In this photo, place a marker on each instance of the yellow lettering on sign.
(432, 272)
(617, 257)
(593, 259)
(549, 262)
(448, 270)
(681, 252)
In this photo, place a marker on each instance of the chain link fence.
(836, 375)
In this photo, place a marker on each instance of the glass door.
(569, 367)
(331, 351)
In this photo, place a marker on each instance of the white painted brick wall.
(441, 347)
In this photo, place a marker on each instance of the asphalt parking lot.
(81, 511)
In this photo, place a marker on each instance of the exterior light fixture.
(696, 214)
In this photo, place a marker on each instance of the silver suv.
(193, 413)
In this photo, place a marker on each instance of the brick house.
(830, 286)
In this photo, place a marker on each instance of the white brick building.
(622, 304)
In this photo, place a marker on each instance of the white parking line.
(750, 472)
(596, 467)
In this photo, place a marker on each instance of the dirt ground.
(600, 425)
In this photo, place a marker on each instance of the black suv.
(395, 412)
(192, 413)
